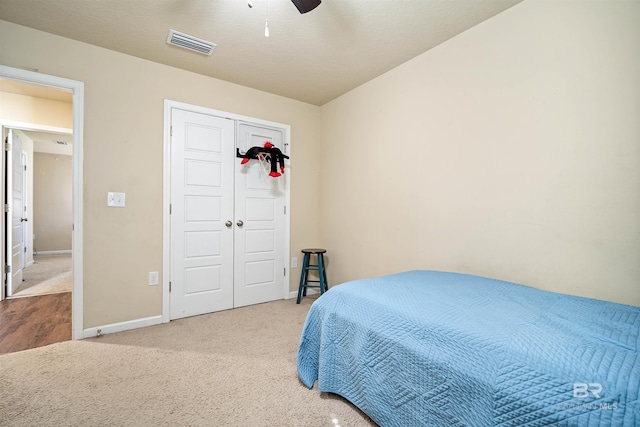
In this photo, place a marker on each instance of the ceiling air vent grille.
(186, 41)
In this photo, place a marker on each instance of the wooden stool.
(319, 267)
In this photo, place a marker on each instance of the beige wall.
(123, 151)
(511, 151)
(27, 109)
(52, 202)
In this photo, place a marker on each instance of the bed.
(445, 349)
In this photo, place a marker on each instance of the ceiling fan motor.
(305, 6)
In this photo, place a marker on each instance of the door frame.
(77, 90)
(8, 192)
(166, 191)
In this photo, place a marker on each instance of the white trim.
(77, 88)
(40, 128)
(166, 198)
(166, 191)
(287, 220)
(67, 251)
(122, 326)
(5, 134)
(294, 294)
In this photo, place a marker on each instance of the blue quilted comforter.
(445, 349)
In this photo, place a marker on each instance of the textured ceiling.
(313, 57)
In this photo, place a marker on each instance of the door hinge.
(285, 210)
(169, 286)
(285, 272)
(171, 130)
(169, 208)
(7, 208)
(7, 268)
(7, 146)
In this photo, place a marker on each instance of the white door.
(25, 200)
(3, 231)
(259, 207)
(16, 215)
(202, 158)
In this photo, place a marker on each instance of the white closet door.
(259, 207)
(202, 162)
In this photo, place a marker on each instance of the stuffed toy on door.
(270, 151)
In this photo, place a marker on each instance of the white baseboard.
(65, 251)
(122, 326)
(294, 294)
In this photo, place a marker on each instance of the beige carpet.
(231, 368)
(49, 274)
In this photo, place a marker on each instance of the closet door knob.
(228, 224)
(240, 223)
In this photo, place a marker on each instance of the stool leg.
(303, 277)
(324, 272)
(321, 276)
(307, 263)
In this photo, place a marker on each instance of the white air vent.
(186, 41)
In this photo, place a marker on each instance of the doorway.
(48, 222)
(37, 194)
(37, 81)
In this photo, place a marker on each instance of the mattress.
(447, 349)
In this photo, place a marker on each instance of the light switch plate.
(153, 278)
(115, 199)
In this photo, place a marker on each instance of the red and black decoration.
(270, 152)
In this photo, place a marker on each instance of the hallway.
(35, 321)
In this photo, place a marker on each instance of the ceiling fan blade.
(305, 6)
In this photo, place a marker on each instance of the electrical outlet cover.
(115, 199)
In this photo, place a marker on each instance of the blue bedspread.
(446, 349)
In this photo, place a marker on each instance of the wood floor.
(36, 321)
